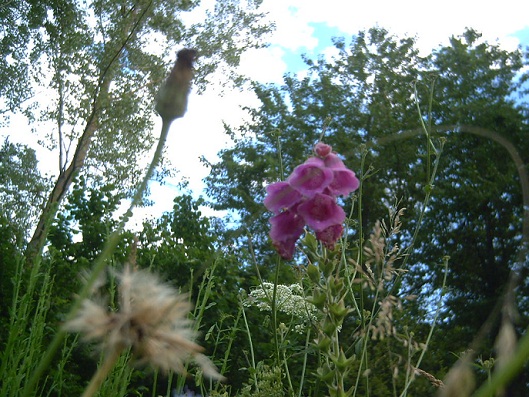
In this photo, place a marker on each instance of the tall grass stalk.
(28, 328)
(253, 371)
(409, 370)
(272, 298)
(117, 380)
(102, 372)
(204, 303)
(201, 305)
(231, 338)
(431, 175)
(305, 358)
(57, 383)
(279, 349)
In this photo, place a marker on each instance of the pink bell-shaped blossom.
(285, 248)
(281, 195)
(286, 224)
(286, 228)
(321, 211)
(333, 161)
(344, 182)
(311, 177)
(330, 235)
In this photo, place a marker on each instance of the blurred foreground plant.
(151, 320)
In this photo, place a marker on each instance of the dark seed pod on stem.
(171, 102)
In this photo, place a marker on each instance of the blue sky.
(523, 36)
(324, 35)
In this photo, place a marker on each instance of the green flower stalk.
(170, 104)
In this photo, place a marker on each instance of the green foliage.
(178, 244)
(368, 97)
(91, 60)
(228, 30)
(22, 189)
(117, 383)
(85, 46)
(100, 78)
(30, 328)
(477, 196)
(268, 383)
(10, 258)
(81, 230)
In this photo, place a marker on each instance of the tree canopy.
(100, 65)
(371, 102)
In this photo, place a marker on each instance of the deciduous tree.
(99, 65)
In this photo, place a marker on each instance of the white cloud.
(331, 52)
(265, 65)
(292, 30)
(433, 23)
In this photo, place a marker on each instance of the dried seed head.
(152, 320)
(433, 380)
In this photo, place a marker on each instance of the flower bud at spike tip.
(171, 102)
(322, 150)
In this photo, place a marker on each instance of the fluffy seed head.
(152, 319)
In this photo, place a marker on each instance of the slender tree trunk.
(65, 178)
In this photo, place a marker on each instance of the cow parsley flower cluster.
(308, 197)
(289, 300)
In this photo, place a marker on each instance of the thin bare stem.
(252, 354)
(429, 337)
(101, 373)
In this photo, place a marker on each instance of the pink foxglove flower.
(333, 161)
(344, 182)
(321, 211)
(308, 197)
(330, 235)
(281, 195)
(286, 228)
(311, 177)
